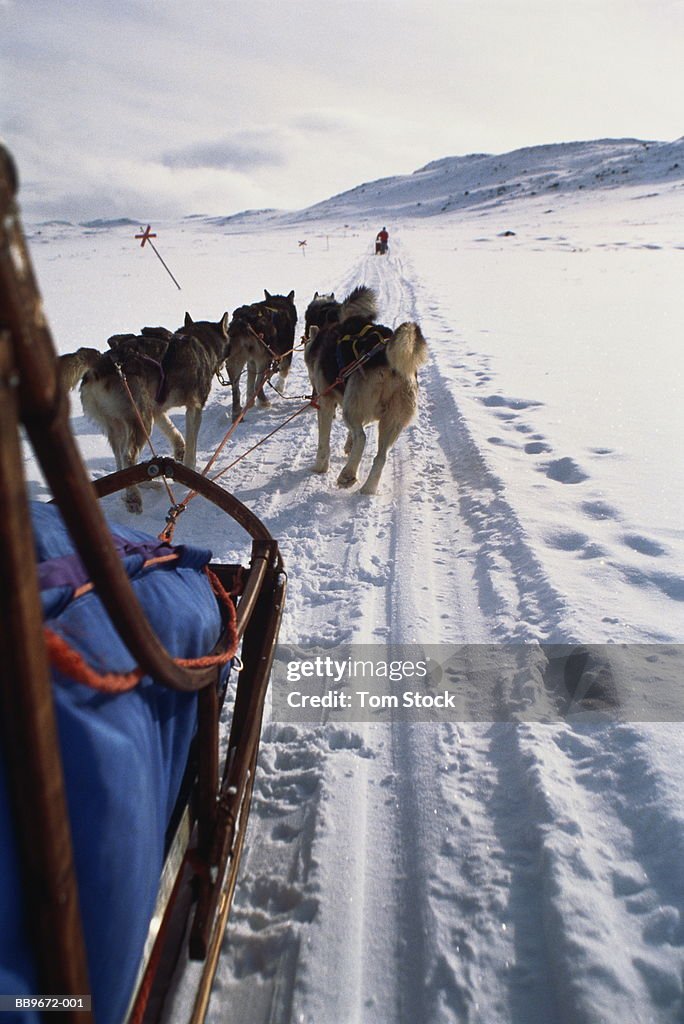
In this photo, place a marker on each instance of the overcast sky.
(153, 108)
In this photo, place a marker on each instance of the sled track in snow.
(487, 876)
(369, 570)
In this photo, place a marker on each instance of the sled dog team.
(367, 369)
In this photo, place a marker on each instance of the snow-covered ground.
(527, 871)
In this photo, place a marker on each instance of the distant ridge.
(475, 180)
(117, 222)
(457, 182)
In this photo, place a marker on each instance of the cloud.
(321, 122)
(170, 107)
(239, 153)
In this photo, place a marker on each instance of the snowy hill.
(460, 182)
(524, 870)
(479, 180)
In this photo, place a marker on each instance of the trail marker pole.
(302, 246)
(147, 236)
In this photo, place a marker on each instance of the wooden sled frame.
(211, 826)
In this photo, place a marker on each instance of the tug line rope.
(177, 508)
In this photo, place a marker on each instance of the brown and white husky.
(382, 389)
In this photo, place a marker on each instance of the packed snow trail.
(497, 897)
(466, 871)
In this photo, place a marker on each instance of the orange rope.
(168, 531)
(144, 428)
(70, 663)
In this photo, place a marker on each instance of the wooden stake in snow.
(147, 237)
(302, 246)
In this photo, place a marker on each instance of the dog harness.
(367, 344)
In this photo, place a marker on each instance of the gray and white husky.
(163, 370)
(382, 389)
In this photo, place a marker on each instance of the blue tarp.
(124, 758)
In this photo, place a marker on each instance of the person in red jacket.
(381, 240)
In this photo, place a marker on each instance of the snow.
(527, 870)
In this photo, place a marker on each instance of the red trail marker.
(147, 236)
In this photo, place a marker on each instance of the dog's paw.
(320, 467)
(369, 488)
(133, 503)
(179, 452)
(346, 479)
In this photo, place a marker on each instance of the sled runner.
(119, 826)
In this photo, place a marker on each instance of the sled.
(72, 890)
(380, 248)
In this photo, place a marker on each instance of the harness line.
(177, 508)
(276, 358)
(144, 428)
(313, 401)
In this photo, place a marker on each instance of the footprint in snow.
(284, 833)
(567, 540)
(573, 541)
(565, 471)
(670, 585)
(643, 545)
(494, 401)
(599, 510)
(536, 448)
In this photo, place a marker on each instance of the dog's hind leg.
(283, 371)
(389, 429)
(172, 433)
(234, 365)
(326, 414)
(255, 374)
(126, 450)
(193, 419)
(358, 442)
(237, 404)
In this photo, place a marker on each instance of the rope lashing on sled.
(70, 663)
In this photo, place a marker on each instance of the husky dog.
(162, 370)
(73, 365)
(383, 389)
(260, 334)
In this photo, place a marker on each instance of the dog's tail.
(362, 301)
(74, 365)
(407, 350)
